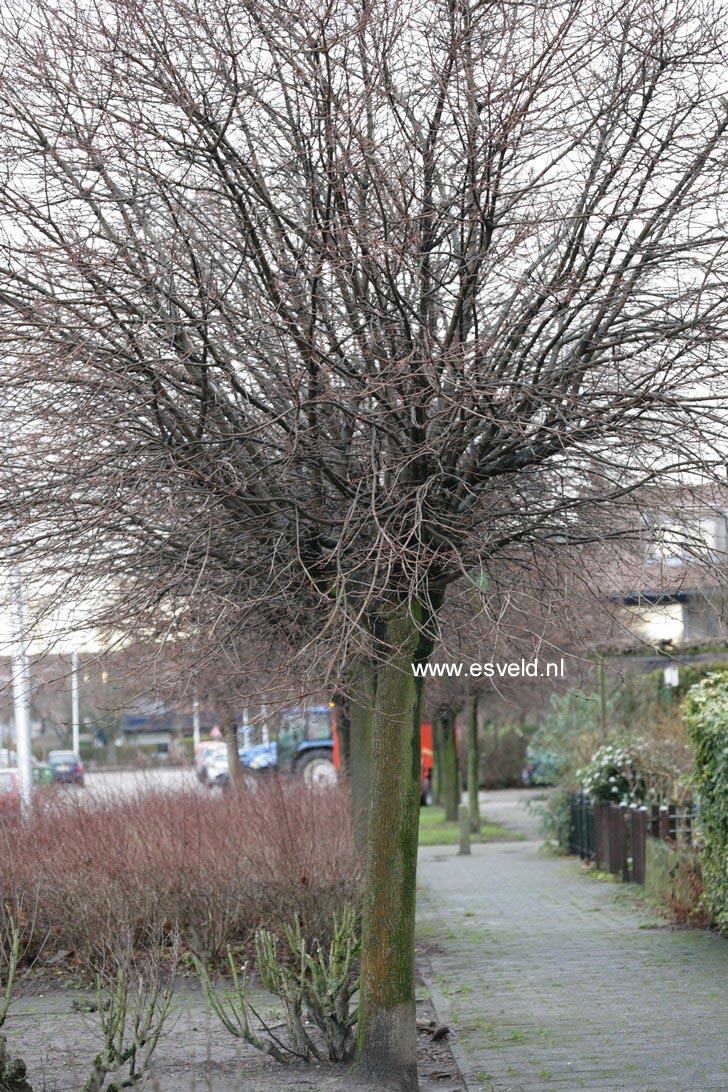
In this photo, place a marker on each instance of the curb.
(443, 1012)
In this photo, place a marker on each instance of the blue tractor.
(302, 742)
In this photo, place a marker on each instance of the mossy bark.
(361, 708)
(437, 779)
(473, 767)
(386, 1034)
(450, 778)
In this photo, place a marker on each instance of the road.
(507, 806)
(127, 782)
(511, 808)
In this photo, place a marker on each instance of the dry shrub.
(101, 870)
(686, 897)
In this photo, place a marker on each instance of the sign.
(672, 675)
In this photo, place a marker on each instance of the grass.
(434, 831)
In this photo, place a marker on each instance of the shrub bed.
(706, 714)
(90, 872)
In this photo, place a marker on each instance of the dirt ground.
(58, 1041)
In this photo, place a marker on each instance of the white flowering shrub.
(638, 771)
(612, 776)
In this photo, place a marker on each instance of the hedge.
(706, 716)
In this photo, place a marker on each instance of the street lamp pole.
(75, 720)
(21, 689)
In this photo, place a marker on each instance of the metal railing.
(582, 831)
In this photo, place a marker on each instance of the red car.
(9, 792)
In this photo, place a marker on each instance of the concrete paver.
(553, 980)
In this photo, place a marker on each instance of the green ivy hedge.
(706, 716)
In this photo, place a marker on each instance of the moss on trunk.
(450, 779)
(473, 767)
(387, 1036)
(361, 708)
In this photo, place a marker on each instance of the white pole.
(195, 721)
(265, 736)
(21, 690)
(75, 722)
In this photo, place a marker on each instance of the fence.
(614, 836)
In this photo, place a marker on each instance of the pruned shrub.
(13, 1071)
(132, 1006)
(141, 866)
(706, 715)
(309, 980)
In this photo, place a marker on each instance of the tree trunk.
(361, 708)
(387, 1034)
(437, 779)
(450, 779)
(343, 732)
(473, 767)
(229, 729)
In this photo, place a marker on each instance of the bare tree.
(312, 313)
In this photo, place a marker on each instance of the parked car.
(217, 768)
(67, 767)
(10, 758)
(542, 767)
(9, 791)
(204, 753)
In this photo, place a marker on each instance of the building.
(675, 593)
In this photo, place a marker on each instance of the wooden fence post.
(616, 839)
(654, 822)
(639, 843)
(624, 816)
(598, 838)
(606, 831)
(664, 825)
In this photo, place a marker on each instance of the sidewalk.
(556, 981)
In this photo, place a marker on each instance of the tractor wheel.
(317, 769)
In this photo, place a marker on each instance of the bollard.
(464, 821)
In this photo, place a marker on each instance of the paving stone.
(555, 980)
